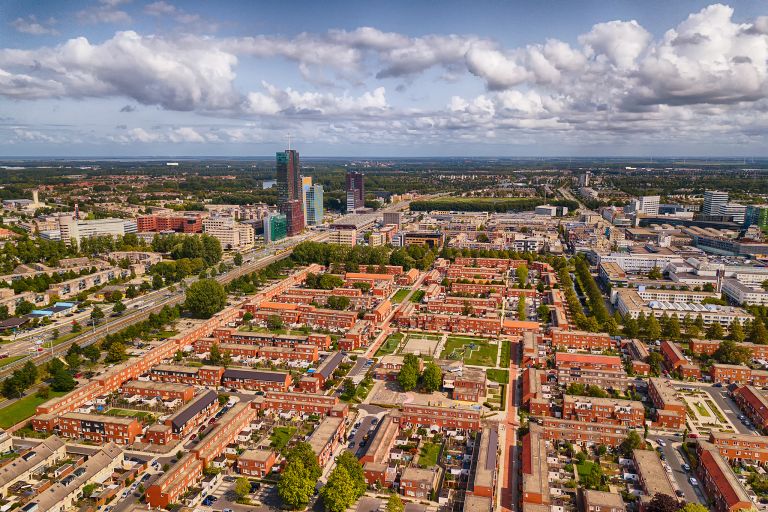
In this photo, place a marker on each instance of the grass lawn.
(497, 375)
(702, 410)
(585, 467)
(126, 413)
(400, 295)
(22, 409)
(717, 412)
(280, 437)
(61, 339)
(390, 344)
(8, 360)
(506, 353)
(482, 353)
(162, 335)
(417, 296)
(428, 455)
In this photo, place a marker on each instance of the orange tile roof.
(520, 324)
(365, 275)
(586, 358)
(277, 305)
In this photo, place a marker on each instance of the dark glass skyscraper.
(355, 190)
(289, 190)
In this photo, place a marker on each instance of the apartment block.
(158, 390)
(326, 437)
(534, 468)
(595, 369)
(418, 483)
(98, 428)
(256, 463)
(738, 374)
(753, 402)
(609, 411)
(737, 448)
(725, 492)
(47, 453)
(196, 412)
(444, 418)
(675, 361)
(651, 475)
(173, 483)
(670, 411)
(256, 380)
(482, 472)
(580, 340)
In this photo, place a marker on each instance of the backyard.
(428, 455)
(144, 416)
(498, 375)
(417, 296)
(280, 437)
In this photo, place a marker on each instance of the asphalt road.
(729, 407)
(675, 458)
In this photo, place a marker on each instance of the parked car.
(686, 467)
(661, 442)
(679, 493)
(693, 481)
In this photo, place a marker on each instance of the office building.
(73, 230)
(647, 205)
(584, 179)
(355, 190)
(229, 232)
(733, 211)
(713, 200)
(275, 227)
(393, 218)
(313, 204)
(756, 215)
(289, 190)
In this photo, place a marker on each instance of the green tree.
(43, 392)
(735, 331)
(24, 308)
(395, 503)
(694, 507)
(408, 378)
(355, 470)
(715, 331)
(432, 377)
(119, 307)
(728, 352)
(62, 380)
(92, 353)
(215, 354)
(76, 327)
(294, 487)
(205, 298)
(758, 333)
(521, 309)
(237, 259)
(672, 328)
(655, 273)
(339, 493)
(96, 314)
(633, 441)
(653, 329)
(630, 327)
(242, 487)
(247, 317)
(274, 322)
(521, 273)
(655, 360)
(303, 451)
(542, 312)
(115, 353)
(338, 303)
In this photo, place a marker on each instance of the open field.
(390, 344)
(400, 295)
(23, 409)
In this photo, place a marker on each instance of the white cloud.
(162, 8)
(313, 104)
(105, 12)
(30, 25)
(621, 42)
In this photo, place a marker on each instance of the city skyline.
(155, 78)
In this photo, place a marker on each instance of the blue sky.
(419, 78)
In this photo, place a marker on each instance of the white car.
(693, 481)
(661, 442)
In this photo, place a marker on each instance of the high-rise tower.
(289, 190)
(355, 190)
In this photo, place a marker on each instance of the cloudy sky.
(395, 78)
